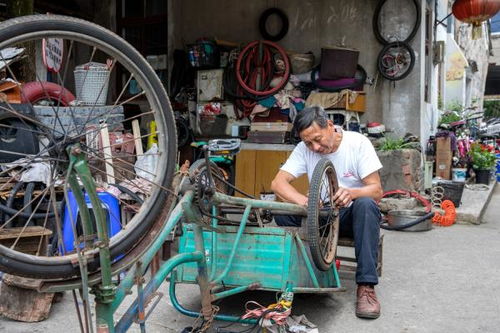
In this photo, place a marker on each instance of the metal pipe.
(291, 209)
(213, 257)
(186, 312)
(243, 223)
(128, 281)
(307, 261)
(127, 319)
(235, 291)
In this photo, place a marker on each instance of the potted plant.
(483, 159)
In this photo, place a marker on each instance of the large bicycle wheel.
(385, 24)
(322, 218)
(107, 75)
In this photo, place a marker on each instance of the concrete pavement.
(442, 280)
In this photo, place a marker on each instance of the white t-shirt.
(354, 160)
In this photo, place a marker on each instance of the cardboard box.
(444, 157)
(359, 104)
(443, 145)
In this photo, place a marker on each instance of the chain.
(206, 323)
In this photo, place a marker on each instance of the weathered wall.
(475, 51)
(402, 170)
(495, 41)
(313, 24)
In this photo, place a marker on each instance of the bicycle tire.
(322, 258)
(376, 19)
(408, 70)
(263, 24)
(29, 28)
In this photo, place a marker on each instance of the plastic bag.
(145, 166)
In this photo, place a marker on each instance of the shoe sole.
(367, 315)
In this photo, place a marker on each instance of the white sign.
(52, 51)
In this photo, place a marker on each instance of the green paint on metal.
(178, 307)
(292, 209)
(308, 262)
(128, 282)
(243, 223)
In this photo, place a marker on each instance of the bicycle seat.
(224, 146)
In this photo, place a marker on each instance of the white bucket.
(458, 174)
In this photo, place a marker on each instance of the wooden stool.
(349, 242)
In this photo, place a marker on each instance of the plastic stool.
(111, 208)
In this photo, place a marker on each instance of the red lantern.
(475, 12)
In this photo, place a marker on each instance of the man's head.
(316, 130)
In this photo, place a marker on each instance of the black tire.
(263, 24)
(409, 63)
(376, 20)
(322, 234)
(31, 28)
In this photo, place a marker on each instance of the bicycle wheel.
(397, 23)
(104, 92)
(322, 221)
(396, 61)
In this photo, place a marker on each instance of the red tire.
(241, 64)
(33, 92)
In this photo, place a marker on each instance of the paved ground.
(443, 280)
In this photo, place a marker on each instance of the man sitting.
(356, 164)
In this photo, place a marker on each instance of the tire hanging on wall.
(263, 24)
(409, 59)
(376, 19)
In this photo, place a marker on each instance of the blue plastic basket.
(110, 205)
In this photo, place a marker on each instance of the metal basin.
(396, 218)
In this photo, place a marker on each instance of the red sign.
(52, 52)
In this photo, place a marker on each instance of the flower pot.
(482, 177)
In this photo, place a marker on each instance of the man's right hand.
(303, 201)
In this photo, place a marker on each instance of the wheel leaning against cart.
(86, 41)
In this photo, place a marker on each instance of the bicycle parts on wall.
(97, 128)
(261, 69)
(397, 58)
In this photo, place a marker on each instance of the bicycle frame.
(109, 296)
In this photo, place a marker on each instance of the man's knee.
(366, 212)
(365, 203)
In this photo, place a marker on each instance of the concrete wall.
(313, 24)
(475, 51)
(495, 41)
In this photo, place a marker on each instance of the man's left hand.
(342, 197)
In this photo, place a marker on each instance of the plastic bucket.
(458, 174)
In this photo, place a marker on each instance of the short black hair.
(308, 116)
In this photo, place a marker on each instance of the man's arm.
(372, 188)
(281, 186)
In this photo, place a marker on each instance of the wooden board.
(23, 304)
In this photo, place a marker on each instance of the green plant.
(455, 106)
(449, 117)
(491, 109)
(394, 144)
(482, 156)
